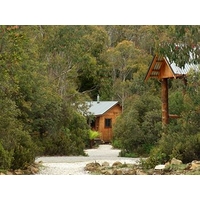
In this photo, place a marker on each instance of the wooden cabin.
(105, 114)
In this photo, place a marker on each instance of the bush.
(64, 143)
(156, 157)
(16, 146)
(57, 144)
(5, 158)
(24, 151)
(138, 129)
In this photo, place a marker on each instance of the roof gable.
(100, 107)
(161, 68)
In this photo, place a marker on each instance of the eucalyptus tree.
(126, 62)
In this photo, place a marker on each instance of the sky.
(96, 12)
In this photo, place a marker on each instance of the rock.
(9, 173)
(1, 173)
(175, 161)
(129, 172)
(159, 167)
(116, 164)
(188, 166)
(140, 172)
(107, 173)
(34, 170)
(105, 164)
(92, 167)
(195, 164)
(93, 164)
(18, 172)
(167, 164)
(117, 172)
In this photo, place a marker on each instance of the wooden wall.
(107, 133)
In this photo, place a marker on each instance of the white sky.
(109, 12)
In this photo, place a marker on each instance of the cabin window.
(108, 123)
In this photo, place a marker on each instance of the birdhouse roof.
(161, 68)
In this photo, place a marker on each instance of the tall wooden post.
(164, 99)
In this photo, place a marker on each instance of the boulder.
(140, 172)
(195, 164)
(117, 172)
(18, 172)
(129, 172)
(107, 173)
(9, 173)
(34, 170)
(175, 161)
(116, 164)
(94, 166)
(159, 167)
(105, 164)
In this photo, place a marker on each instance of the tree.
(125, 60)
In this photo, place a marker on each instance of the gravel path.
(74, 165)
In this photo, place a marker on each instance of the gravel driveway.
(74, 165)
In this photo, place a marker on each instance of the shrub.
(24, 151)
(156, 157)
(17, 148)
(93, 134)
(138, 129)
(57, 144)
(5, 158)
(65, 143)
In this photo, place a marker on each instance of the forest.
(46, 71)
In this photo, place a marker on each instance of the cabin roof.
(159, 63)
(100, 107)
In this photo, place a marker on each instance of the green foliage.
(138, 129)
(6, 158)
(93, 134)
(70, 140)
(57, 144)
(24, 151)
(156, 157)
(123, 153)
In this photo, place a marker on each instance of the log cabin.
(105, 114)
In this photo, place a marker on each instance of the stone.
(92, 167)
(130, 172)
(159, 167)
(105, 164)
(116, 164)
(167, 164)
(175, 161)
(18, 172)
(9, 173)
(117, 172)
(195, 164)
(34, 170)
(140, 172)
(107, 173)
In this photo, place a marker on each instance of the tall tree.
(125, 60)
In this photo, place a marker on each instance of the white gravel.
(74, 165)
